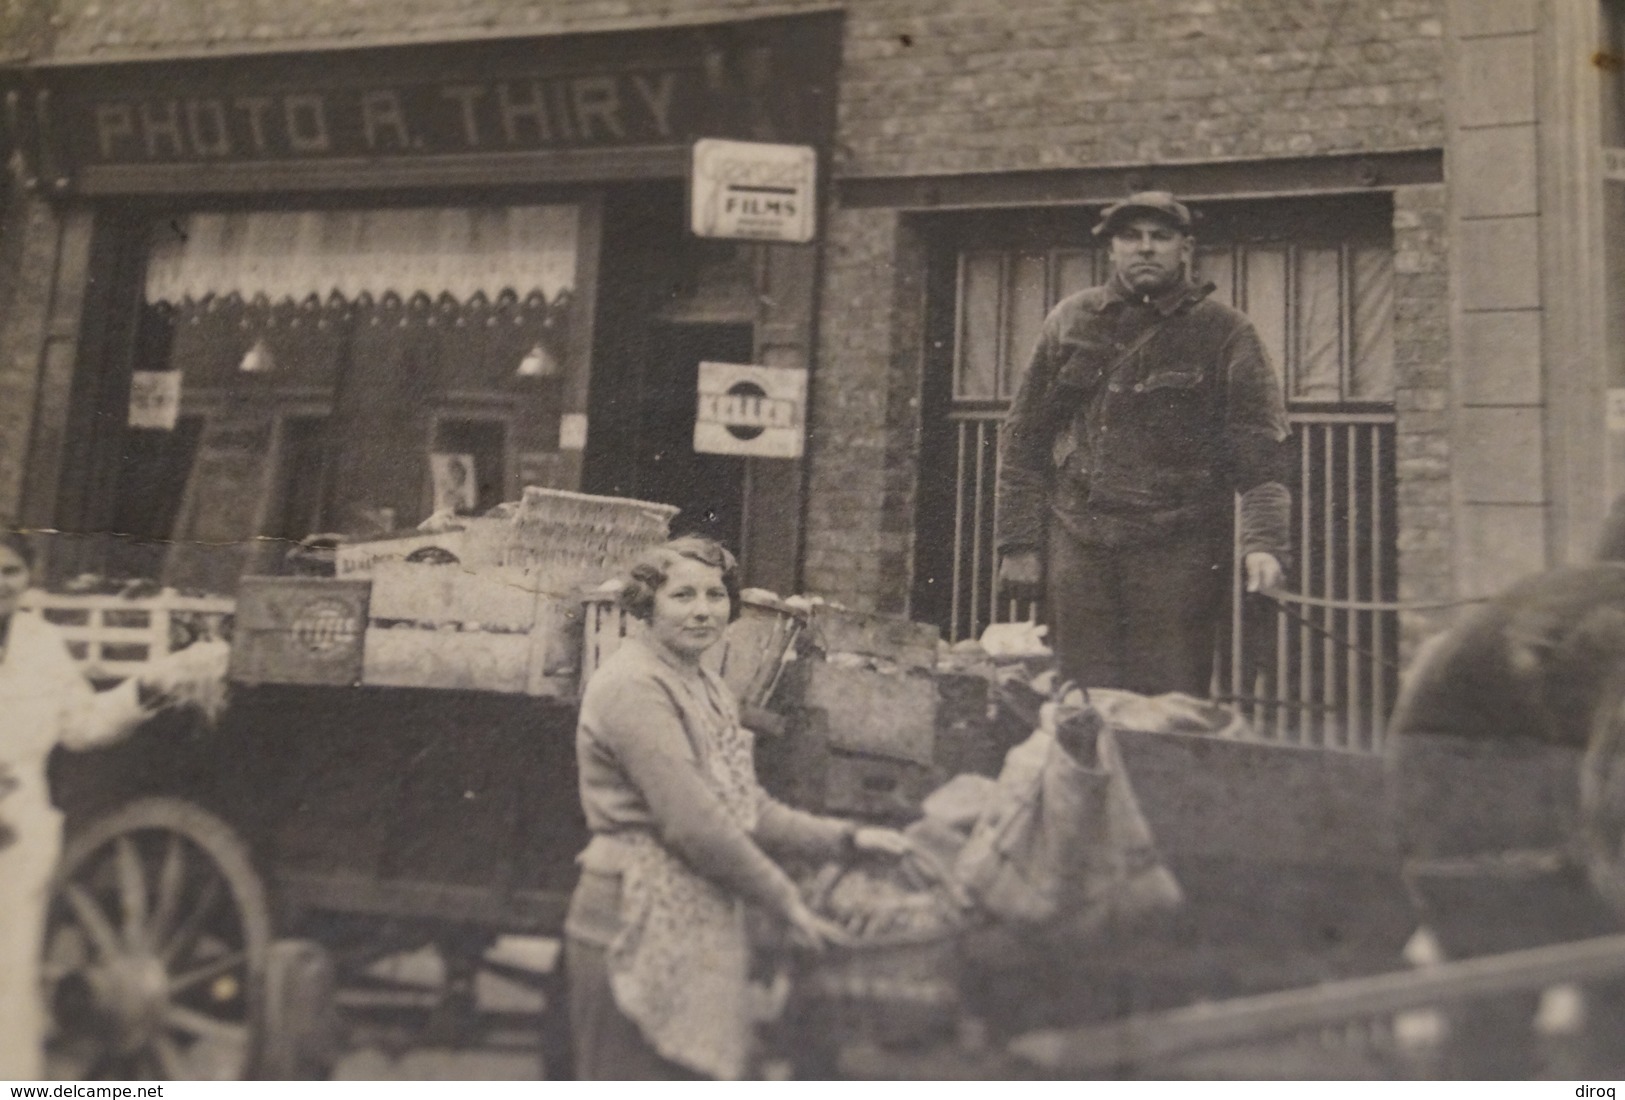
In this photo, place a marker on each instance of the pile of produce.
(905, 900)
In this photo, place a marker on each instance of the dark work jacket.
(1159, 447)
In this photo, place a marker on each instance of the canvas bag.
(1065, 846)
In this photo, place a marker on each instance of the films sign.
(751, 190)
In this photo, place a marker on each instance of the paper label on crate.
(324, 626)
(155, 399)
(747, 409)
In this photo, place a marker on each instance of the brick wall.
(946, 86)
(1422, 357)
(958, 86)
(865, 412)
(977, 85)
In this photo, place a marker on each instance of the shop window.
(479, 450)
(313, 349)
(152, 484)
(300, 478)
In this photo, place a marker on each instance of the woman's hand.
(811, 931)
(884, 842)
(194, 676)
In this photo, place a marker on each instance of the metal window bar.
(1323, 676)
(1329, 675)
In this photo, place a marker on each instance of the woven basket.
(894, 993)
(573, 541)
(893, 989)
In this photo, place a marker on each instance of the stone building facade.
(1406, 151)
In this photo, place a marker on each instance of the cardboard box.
(299, 630)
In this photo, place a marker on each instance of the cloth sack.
(1066, 847)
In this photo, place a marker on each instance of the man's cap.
(1156, 204)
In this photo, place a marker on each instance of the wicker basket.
(758, 646)
(889, 992)
(574, 540)
(895, 989)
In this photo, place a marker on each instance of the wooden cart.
(1295, 953)
(217, 882)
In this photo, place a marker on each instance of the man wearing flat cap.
(1147, 407)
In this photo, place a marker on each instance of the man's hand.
(1021, 575)
(1264, 572)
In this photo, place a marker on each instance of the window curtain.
(382, 311)
(289, 256)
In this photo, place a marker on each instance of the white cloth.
(44, 702)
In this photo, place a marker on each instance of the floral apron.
(679, 967)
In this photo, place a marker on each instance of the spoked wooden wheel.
(155, 949)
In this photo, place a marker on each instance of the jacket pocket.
(1083, 365)
(1175, 380)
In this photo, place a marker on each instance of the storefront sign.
(622, 105)
(643, 108)
(155, 399)
(751, 410)
(752, 190)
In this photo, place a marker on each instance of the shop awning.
(291, 255)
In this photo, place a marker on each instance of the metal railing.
(1309, 674)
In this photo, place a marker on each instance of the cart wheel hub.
(134, 989)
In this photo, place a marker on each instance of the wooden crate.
(756, 648)
(487, 629)
(358, 560)
(112, 637)
(883, 637)
(882, 713)
(299, 630)
(493, 599)
(1286, 846)
(874, 786)
(604, 627)
(474, 660)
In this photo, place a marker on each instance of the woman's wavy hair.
(648, 574)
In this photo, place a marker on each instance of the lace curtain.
(291, 256)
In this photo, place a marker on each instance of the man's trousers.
(1143, 618)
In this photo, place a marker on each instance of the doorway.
(709, 489)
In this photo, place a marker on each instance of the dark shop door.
(710, 489)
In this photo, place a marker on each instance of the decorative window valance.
(289, 256)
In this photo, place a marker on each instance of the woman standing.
(45, 702)
(682, 836)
